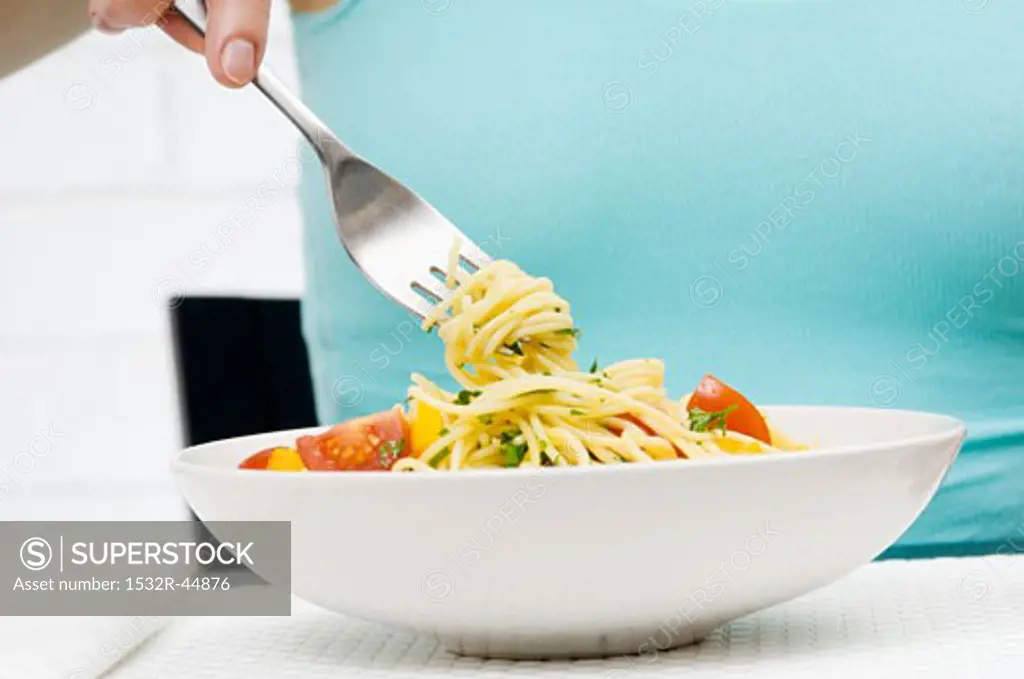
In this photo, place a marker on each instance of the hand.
(236, 31)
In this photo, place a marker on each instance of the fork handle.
(324, 142)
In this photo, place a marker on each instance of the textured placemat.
(958, 618)
(71, 647)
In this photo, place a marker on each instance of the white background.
(121, 158)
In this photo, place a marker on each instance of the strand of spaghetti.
(632, 451)
(452, 277)
(573, 445)
(532, 437)
(455, 456)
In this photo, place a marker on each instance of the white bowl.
(574, 562)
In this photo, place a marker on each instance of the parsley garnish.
(575, 332)
(593, 367)
(509, 435)
(444, 432)
(515, 348)
(537, 391)
(464, 397)
(702, 421)
(550, 459)
(486, 419)
(390, 451)
(439, 457)
(514, 453)
(575, 411)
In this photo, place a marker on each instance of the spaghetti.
(509, 341)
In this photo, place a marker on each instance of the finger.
(181, 31)
(120, 14)
(236, 39)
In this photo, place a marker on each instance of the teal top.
(817, 201)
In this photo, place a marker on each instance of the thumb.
(236, 39)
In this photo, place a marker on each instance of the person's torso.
(819, 202)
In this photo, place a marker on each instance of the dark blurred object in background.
(242, 367)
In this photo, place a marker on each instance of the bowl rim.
(955, 431)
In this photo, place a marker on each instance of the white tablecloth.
(959, 618)
(71, 647)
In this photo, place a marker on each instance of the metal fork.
(399, 242)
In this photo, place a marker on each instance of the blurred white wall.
(120, 161)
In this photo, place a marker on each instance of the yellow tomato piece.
(285, 460)
(426, 427)
(735, 447)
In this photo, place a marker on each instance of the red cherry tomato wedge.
(257, 460)
(370, 443)
(713, 395)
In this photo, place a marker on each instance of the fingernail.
(239, 61)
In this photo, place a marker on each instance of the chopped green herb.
(390, 451)
(543, 445)
(702, 421)
(431, 328)
(515, 348)
(509, 435)
(575, 411)
(546, 373)
(575, 332)
(486, 419)
(558, 309)
(439, 457)
(444, 432)
(593, 366)
(537, 391)
(514, 453)
(464, 397)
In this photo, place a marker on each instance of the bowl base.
(563, 647)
